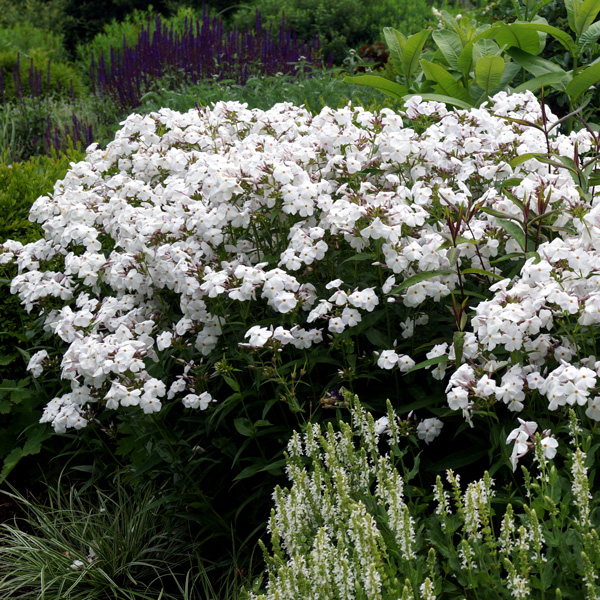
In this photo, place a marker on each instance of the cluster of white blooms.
(188, 226)
(524, 441)
(327, 542)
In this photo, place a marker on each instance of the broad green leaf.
(582, 82)
(514, 35)
(380, 83)
(589, 37)
(488, 72)
(449, 20)
(36, 435)
(511, 70)
(445, 99)
(547, 79)
(586, 14)
(412, 52)
(560, 36)
(465, 60)
(519, 160)
(450, 46)
(533, 64)
(514, 230)
(445, 81)
(420, 277)
(485, 48)
(571, 6)
(395, 41)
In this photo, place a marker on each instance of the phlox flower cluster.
(226, 227)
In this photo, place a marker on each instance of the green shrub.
(86, 18)
(46, 14)
(320, 89)
(341, 25)
(64, 79)
(127, 30)
(24, 37)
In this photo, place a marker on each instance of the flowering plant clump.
(233, 249)
(349, 527)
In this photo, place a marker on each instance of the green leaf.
(533, 64)
(459, 342)
(465, 60)
(485, 48)
(450, 21)
(444, 80)
(560, 36)
(548, 79)
(360, 257)
(571, 6)
(36, 435)
(377, 338)
(585, 15)
(514, 230)
(518, 160)
(428, 363)
(232, 383)
(589, 37)
(412, 52)
(395, 41)
(8, 358)
(514, 35)
(581, 83)
(450, 46)
(244, 427)
(445, 99)
(475, 271)
(386, 86)
(420, 277)
(488, 72)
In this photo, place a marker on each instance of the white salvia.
(507, 530)
(518, 586)
(580, 487)
(465, 553)
(426, 590)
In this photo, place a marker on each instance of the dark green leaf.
(581, 83)
(386, 86)
(556, 79)
(533, 64)
(420, 277)
(514, 230)
(445, 81)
